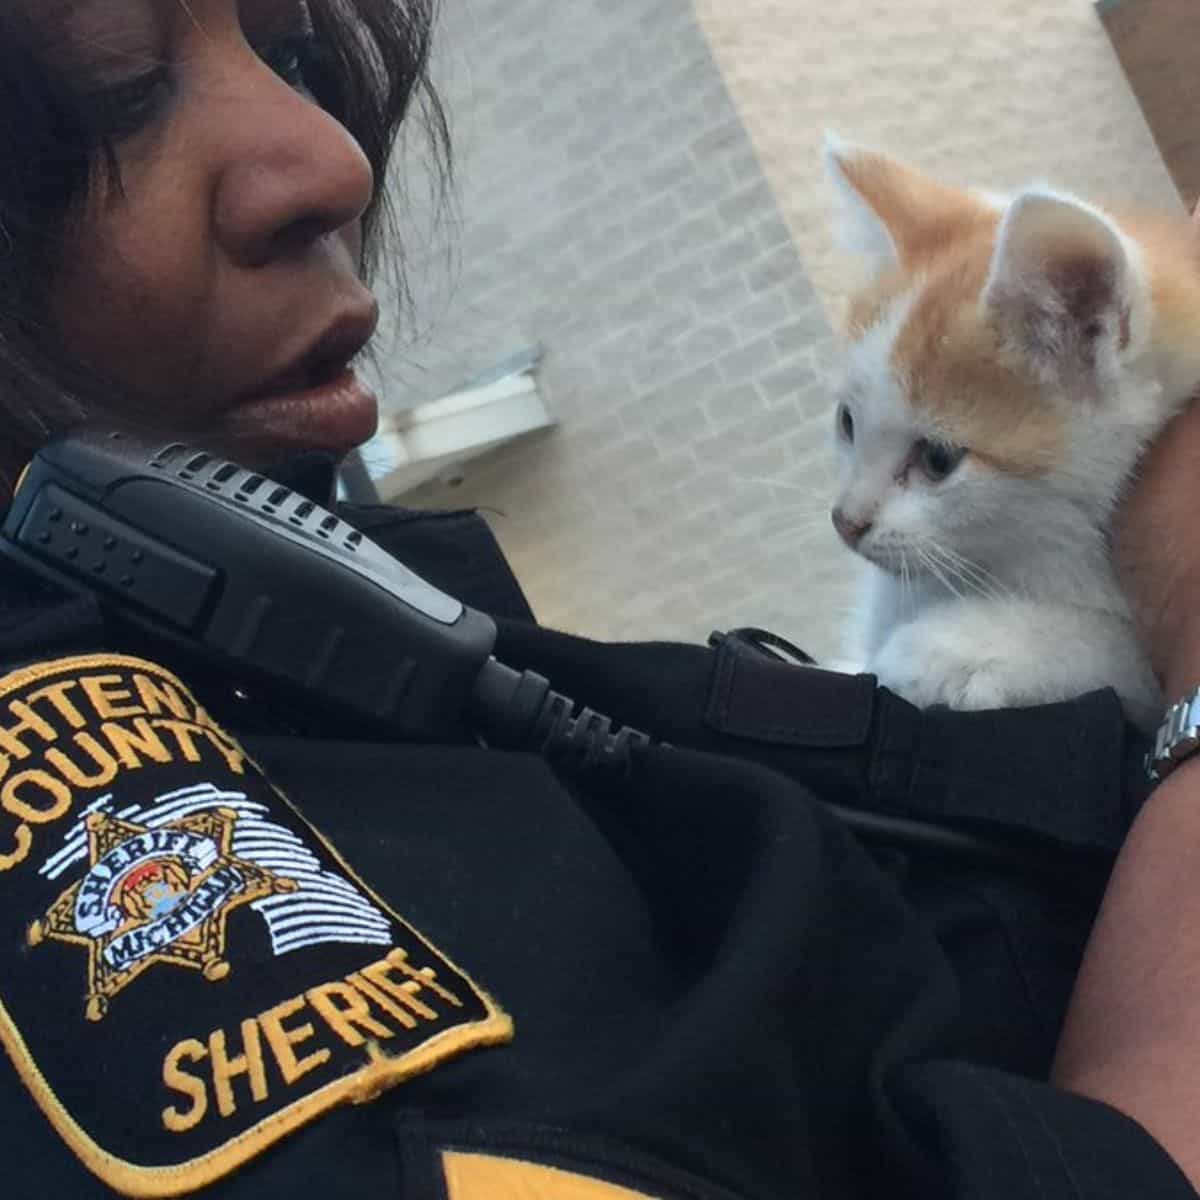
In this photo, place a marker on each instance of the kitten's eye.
(846, 423)
(937, 459)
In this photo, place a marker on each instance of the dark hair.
(373, 74)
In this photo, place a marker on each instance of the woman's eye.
(125, 108)
(846, 423)
(937, 459)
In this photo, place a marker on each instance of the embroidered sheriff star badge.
(151, 896)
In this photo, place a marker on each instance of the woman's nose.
(291, 174)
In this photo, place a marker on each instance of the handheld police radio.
(206, 557)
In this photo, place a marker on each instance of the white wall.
(613, 210)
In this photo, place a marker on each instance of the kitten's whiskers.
(973, 576)
(903, 577)
(928, 561)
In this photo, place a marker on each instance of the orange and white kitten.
(1008, 361)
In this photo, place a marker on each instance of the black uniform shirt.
(281, 966)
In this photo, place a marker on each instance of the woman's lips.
(336, 415)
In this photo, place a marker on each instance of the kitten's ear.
(891, 214)
(1063, 289)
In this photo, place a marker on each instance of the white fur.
(988, 589)
(857, 229)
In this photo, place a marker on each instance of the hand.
(1158, 552)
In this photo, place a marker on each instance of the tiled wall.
(612, 209)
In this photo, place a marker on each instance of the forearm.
(1132, 1035)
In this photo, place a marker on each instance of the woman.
(687, 981)
(193, 197)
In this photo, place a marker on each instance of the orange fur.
(924, 217)
(1170, 249)
(956, 371)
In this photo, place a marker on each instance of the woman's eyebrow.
(96, 39)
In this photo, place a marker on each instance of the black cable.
(768, 644)
(520, 710)
(960, 845)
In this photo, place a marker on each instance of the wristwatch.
(1178, 737)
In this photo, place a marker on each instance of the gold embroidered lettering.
(346, 1012)
(178, 1080)
(104, 763)
(185, 734)
(352, 1009)
(405, 993)
(105, 693)
(56, 693)
(133, 745)
(158, 696)
(423, 977)
(282, 1040)
(142, 719)
(226, 1069)
(382, 999)
(23, 808)
(22, 841)
(27, 722)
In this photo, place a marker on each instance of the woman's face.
(219, 281)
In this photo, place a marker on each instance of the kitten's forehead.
(924, 350)
(870, 384)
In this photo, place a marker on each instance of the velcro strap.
(760, 698)
(1066, 773)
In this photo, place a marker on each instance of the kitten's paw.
(927, 672)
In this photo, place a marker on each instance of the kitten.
(1008, 362)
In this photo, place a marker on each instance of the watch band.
(1178, 737)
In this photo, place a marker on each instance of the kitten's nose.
(851, 532)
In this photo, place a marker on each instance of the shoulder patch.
(188, 971)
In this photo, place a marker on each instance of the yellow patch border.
(382, 1073)
(478, 1175)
